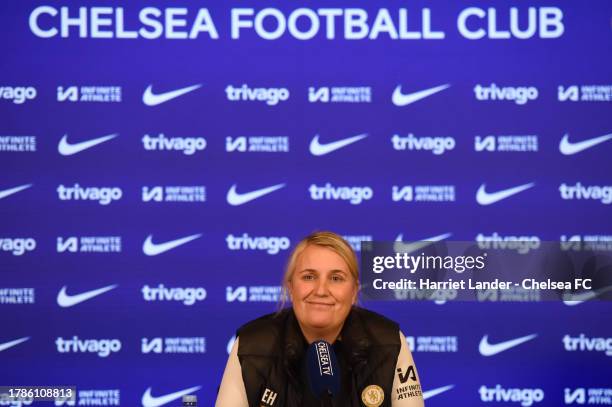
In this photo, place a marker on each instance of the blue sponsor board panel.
(159, 160)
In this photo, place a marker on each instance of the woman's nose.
(321, 287)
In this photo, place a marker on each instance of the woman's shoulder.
(371, 317)
(382, 329)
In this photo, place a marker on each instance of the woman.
(266, 363)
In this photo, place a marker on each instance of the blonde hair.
(330, 240)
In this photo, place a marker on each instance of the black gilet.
(271, 348)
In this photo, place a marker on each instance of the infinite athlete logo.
(409, 374)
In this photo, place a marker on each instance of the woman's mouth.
(319, 303)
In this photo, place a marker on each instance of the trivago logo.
(495, 241)
(269, 244)
(583, 343)
(437, 145)
(18, 94)
(186, 295)
(355, 194)
(188, 145)
(17, 246)
(519, 94)
(271, 96)
(104, 195)
(602, 193)
(525, 397)
(101, 347)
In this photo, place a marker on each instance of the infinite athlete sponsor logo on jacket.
(409, 383)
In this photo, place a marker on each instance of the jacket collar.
(353, 336)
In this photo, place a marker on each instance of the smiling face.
(322, 290)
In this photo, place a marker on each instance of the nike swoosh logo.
(400, 99)
(486, 349)
(401, 247)
(11, 191)
(66, 148)
(318, 149)
(485, 198)
(568, 148)
(571, 299)
(235, 199)
(10, 344)
(153, 249)
(434, 392)
(149, 401)
(64, 300)
(151, 99)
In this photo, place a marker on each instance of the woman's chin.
(320, 322)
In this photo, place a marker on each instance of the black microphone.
(323, 371)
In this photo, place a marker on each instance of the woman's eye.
(307, 277)
(337, 278)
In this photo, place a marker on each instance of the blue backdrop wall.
(159, 158)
